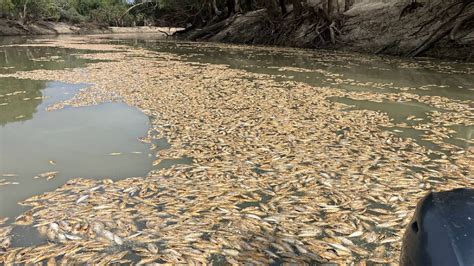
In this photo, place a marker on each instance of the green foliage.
(6, 7)
(111, 12)
(71, 15)
(85, 7)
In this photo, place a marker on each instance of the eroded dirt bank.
(437, 28)
(14, 28)
(280, 172)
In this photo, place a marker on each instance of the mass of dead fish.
(280, 172)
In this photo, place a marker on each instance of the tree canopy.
(145, 12)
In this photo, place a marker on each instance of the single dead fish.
(81, 199)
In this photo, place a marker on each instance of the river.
(44, 148)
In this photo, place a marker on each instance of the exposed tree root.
(388, 46)
(441, 32)
(410, 8)
(454, 32)
(212, 29)
(312, 28)
(435, 18)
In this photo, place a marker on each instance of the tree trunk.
(237, 7)
(230, 7)
(348, 4)
(215, 8)
(271, 8)
(331, 7)
(247, 5)
(283, 7)
(297, 8)
(24, 16)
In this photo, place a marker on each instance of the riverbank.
(15, 28)
(440, 29)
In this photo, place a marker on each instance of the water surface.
(102, 141)
(350, 72)
(75, 142)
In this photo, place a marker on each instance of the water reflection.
(19, 99)
(76, 142)
(24, 58)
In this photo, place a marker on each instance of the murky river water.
(102, 141)
(75, 142)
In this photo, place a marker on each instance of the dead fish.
(253, 216)
(6, 243)
(72, 237)
(47, 175)
(83, 198)
(9, 175)
(108, 235)
(340, 247)
(115, 153)
(356, 234)
(231, 252)
(25, 219)
(390, 240)
(118, 240)
(152, 248)
(98, 228)
(61, 237)
(54, 227)
(309, 233)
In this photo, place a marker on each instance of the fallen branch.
(165, 33)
